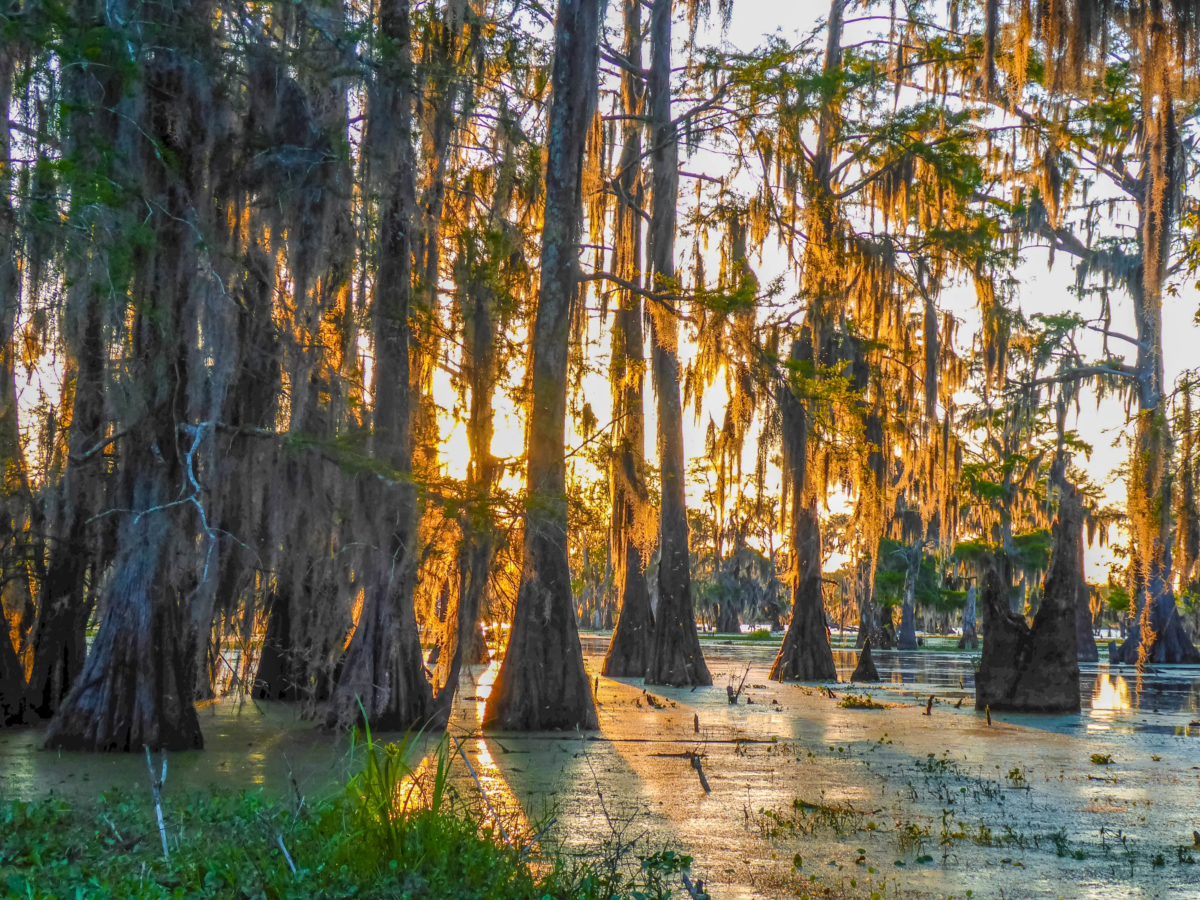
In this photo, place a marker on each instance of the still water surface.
(906, 797)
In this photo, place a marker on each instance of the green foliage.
(891, 573)
(398, 829)
(1031, 550)
(1115, 596)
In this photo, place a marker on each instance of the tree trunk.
(1157, 636)
(728, 621)
(382, 674)
(137, 681)
(805, 654)
(868, 612)
(135, 689)
(280, 670)
(58, 638)
(907, 639)
(675, 656)
(12, 679)
(629, 650)
(15, 500)
(865, 670)
(1036, 669)
(970, 637)
(542, 683)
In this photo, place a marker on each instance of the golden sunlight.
(1111, 694)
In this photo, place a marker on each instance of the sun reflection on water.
(1111, 694)
(483, 686)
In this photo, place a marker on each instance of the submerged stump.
(865, 670)
(1035, 668)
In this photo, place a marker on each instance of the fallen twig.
(287, 856)
(156, 789)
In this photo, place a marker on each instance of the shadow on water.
(247, 745)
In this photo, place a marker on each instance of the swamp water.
(804, 793)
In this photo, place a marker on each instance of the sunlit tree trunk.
(383, 667)
(629, 651)
(675, 656)
(1157, 635)
(542, 683)
(480, 363)
(805, 654)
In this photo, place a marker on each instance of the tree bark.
(136, 686)
(805, 654)
(15, 500)
(1085, 637)
(542, 683)
(970, 637)
(865, 670)
(12, 678)
(1036, 669)
(382, 675)
(907, 639)
(1157, 635)
(135, 689)
(629, 650)
(93, 123)
(675, 656)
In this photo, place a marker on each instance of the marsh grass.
(399, 829)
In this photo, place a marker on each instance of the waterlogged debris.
(700, 773)
(1102, 759)
(657, 702)
(862, 701)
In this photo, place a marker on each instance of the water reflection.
(1111, 694)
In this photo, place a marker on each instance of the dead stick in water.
(156, 790)
(700, 772)
(287, 856)
(743, 684)
(987, 711)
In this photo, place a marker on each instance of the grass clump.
(399, 829)
(860, 701)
